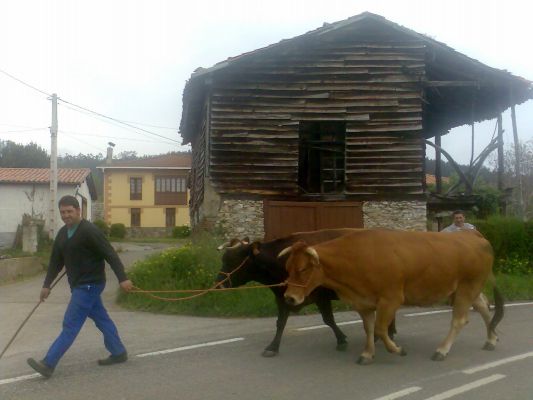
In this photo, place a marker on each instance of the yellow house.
(148, 195)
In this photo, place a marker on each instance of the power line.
(113, 137)
(117, 120)
(153, 126)
(94, 112)
(24, 83)
(23, 130)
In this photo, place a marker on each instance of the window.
(170, 190)
(170, 217)
(321, 159)
(136, 188)
(135, 217)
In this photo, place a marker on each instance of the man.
(459, 223)
(83, 249)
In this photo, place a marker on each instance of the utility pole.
(53, 171)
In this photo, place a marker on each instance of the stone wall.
(138, 232)
(240, 218)
(97, 211)
(406, 215)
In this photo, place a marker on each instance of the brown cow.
(379, 270)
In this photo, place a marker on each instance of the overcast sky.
(129, 59)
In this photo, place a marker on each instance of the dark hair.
(69, 200)
(458, 212)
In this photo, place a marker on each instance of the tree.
(14, 155)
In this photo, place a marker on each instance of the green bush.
(181, 231)
(117, 231)
(512, 241)
(102, 225)
(193, 267)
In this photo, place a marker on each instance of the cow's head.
(305, 272)
(235, 261)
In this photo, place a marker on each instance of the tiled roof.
(182, 160)
(42, 175)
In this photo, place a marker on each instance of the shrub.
(102, 225)
(181, 231)
(117, 231)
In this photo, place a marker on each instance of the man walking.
(459, 223)
(83, 249)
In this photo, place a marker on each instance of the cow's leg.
(461, 307)
(369, 319)
(324, 305)
(385, 314)
(481, 305)
(283, 314)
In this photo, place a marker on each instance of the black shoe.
(114, 359)
(41, 367)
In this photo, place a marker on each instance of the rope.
(201, 292)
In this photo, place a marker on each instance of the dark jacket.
(83, 256)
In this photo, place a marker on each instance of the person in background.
(82, 249)
(459, 223)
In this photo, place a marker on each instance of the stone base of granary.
(405, 215)
(241, 218)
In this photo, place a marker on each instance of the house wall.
(34, 200)
(117, 203)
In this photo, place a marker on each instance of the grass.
(196, 266)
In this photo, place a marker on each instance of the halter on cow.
(377, 271)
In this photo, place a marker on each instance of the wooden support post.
(500, 165)
(518, 171)
(438, 171)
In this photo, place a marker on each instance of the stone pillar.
(30, 238)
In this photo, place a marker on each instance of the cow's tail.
(498, 307)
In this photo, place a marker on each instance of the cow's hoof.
(342, 346)
(402, 352)
(489, 346)
(269, 353)
(438, 356)
(365, 360)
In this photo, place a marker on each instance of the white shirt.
(455, 228)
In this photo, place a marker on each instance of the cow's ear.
(256, 248)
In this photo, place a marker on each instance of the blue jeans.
(85, 302)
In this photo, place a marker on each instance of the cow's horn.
(312, 252)
(286, 250)
(223, 246)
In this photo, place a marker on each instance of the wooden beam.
(500, 164)
(438, 171)
(453, 84)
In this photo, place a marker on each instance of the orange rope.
(201, 292)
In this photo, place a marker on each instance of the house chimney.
(109, 158)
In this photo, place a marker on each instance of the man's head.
(458, 218)
(69, 208)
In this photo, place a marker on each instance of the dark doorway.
(321, 163)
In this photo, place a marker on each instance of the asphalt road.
(175, 357)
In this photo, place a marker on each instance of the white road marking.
(401, 393)
(427, 313)
(465, 388)
(19, 378)
(194, 346)
(449, 310)
(310, 328)
(503, 361)
(518, 304)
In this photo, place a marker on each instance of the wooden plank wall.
(373, 86)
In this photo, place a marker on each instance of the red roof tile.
(42, 175)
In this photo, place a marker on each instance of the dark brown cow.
(376, 271)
